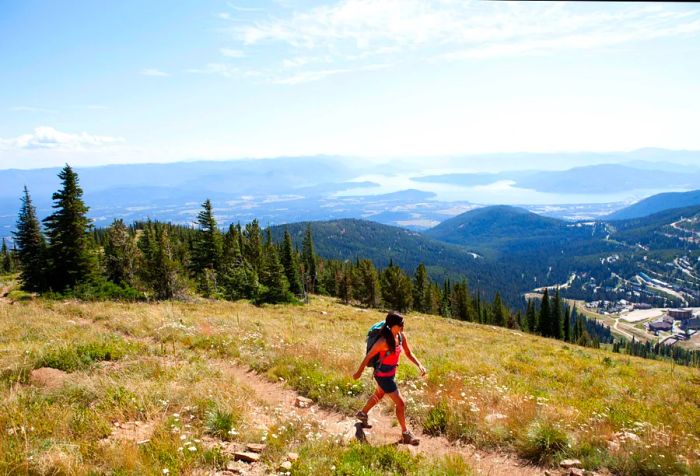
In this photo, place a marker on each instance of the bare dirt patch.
(48, 378)
(138, 432)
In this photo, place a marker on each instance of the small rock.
(287, 465)
(255, 447)
(142, 442)
(292, 456)
(494, 417)
(575, 472)
(549, 473)
(246, 456)
(570, 463)
(303, 402)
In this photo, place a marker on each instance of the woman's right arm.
(376, 348)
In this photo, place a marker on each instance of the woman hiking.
(389, 347)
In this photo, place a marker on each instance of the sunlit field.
(163, 366)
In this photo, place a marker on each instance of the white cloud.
(154, 72)
(317, 75)
(232, 53)
(45, 137)
(457, 29)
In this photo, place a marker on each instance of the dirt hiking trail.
(384, 429)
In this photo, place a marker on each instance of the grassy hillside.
(164, 365)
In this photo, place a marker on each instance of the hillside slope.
(157, 374)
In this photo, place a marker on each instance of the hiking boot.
(364, 419)
(407, 438)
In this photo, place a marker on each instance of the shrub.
(542, 441)
(220, 423)
(70, 358)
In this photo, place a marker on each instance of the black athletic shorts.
(387, 384)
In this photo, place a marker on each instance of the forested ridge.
(153, 260)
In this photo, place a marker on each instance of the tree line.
(66, 255)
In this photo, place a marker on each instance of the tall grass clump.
(72, 357)
(542, 442)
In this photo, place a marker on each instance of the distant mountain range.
(513, 251)
(602, 178)
(657, 203)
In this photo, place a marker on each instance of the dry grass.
(487, 386)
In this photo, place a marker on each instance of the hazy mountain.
(657, 203)
(594, 179)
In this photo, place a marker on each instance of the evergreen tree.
(345, 281)
(446, 303)
(557, 318)
(434, 300)
(252, 245)
(231, 251)
(5, 259)
(369, 287)
(160, 270)
(531, 316)
(308, 258)
(499, 311)
(460, 304)
(31, 247)
(397, 289)
(71, 259)
(208, 244)
(120, 254)
(421, 290)
(276, 287)
(544, 324)
(567, 325)
(291, 266)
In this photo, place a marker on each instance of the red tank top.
(388, 363)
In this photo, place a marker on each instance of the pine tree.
(345, 280)
(252, 249)
(272, 275)
(291, 266)
(71, 259)
(421, 289)
(5, 259)
(446, 302)
(120, 254)
(31, 247)
(207, 252)
(531, 316)
(434, 299)
(231, 251)
(160, 270)
(461, 304)
(368, 289)
(397, 289)
(499, 311)
(544, 325)
(567, 325)
(557, 318)
(308, 258)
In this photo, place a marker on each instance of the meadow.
(144, 390)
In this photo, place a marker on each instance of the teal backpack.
(373, 335)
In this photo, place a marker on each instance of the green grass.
(490, 387)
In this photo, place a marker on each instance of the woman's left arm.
(410, 356)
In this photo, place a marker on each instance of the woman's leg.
(400, 408)
(374, 399)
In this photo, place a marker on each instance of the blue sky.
(94, 82)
